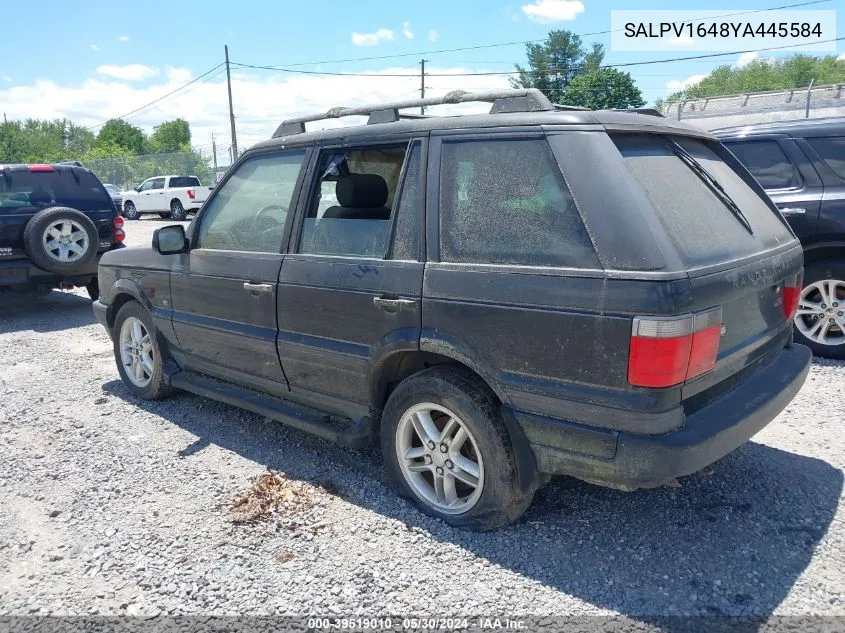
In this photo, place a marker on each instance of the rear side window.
(832, 151)
(767, 163)
(699, 223)
(27, 190)
(184, 181)
(505, 202)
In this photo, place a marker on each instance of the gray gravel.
(114, 506)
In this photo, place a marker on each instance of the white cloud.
(373, 39)
(178, 75)
(681, 41)
(123, 38)
(433, 35)
(261, 101)
(676, 85)
(6, 78)
(745, 59)
(841, 58)
(406, 30)
(129, 72)
(94, 47)
(546, 11)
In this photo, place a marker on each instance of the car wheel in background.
(130, 212)
(820, 320)
(61, 240)
(164, 215)
(177, 211)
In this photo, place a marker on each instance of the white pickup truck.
(169, 196)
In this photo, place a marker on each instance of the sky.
(92, 60)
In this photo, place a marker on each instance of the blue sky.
(92, 60)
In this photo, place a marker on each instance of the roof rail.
(646, 111)
(518, 100)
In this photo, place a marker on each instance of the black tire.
(828, 269)
(34, 245)
(177, 211)
(501, 501)
(156, 388)
(164, 215)
(93, 288)
(129, 211)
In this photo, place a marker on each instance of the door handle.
(393, 305)
(793, 211)
(257, 288)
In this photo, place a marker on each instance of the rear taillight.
(118, 222)
(667, 351)
(41, 168)
(192, 194)
(119, 235)
(792, 296)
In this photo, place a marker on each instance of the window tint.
(24, 189)
(184, 181)
(146, 185)
(505, 202)
(354, 204)
(700, 225)
(406, 234)
(766, 162)
(832, 150)
(158, 183)
(250, 209)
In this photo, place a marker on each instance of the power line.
(502, 44)
(180, 88)
(145, 109)
(547, 71)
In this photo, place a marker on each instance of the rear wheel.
(446, 448)
(177, 211)
(820, 320)
(130, 212)
(138, 353)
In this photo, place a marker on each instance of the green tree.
(122, 134)
(760, 75)
(604, 88)
(171, 136)
(556, 62)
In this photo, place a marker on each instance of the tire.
(61, 240)
(460, 394)
(152, 386)
(93, 288)
(819, 279)
(177, 211)
(129, 211)
(164, 215)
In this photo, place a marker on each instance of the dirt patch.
(270, 492)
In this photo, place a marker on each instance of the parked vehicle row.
(469, 292)
(171, 197)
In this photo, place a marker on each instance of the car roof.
(803, 127)
(57, 167)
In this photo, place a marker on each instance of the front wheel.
(138, 353)
(447, 449)
(820, 320)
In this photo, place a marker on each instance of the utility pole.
(214, 153)
(422, 83)
(231, 112)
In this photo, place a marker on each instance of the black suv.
(801, 164)
(498, 297)
(55, 223)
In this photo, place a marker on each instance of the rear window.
(699, 223)
(26, 190)
(832, 151)
(505, 202)
(185, 181)
(766, 162)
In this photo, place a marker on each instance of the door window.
(250, 210)
(145, 186)
(157, 183)
(352, 209)
(832, 151)
(505, 202)
(406, 234)
(766, 162)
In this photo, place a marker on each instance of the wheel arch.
(823, 251)
(122, 292)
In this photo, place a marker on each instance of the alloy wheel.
(136, 352)
(821, 312)
(65, 241)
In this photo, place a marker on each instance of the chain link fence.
(127, 171)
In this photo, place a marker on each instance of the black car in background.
(801, 165)
(472, 292)
(56, 221)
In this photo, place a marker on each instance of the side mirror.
(170, 240)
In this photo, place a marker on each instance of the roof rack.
(646, 111)
(518, 100)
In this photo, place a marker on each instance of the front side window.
(157, 183)
(766, 162)
(832, 151)
(506, 202)
(350, 214)
(250, 210)
(146, 185)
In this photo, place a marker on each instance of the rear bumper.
(21, 272)
(629, 461)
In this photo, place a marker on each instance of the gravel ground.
(114, 506)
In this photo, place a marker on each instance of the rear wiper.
(714, 184)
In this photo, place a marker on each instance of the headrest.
(40, 195)
(361, 191)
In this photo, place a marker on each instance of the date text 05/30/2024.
(723, 29)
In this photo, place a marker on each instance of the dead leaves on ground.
(269, 492)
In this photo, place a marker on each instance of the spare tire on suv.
(61, 240)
